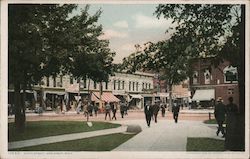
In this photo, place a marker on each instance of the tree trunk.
(235, 139)
(170, 97)
(19, 114)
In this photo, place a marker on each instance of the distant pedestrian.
(96, 109)
(114, 109)
(126, 108)
(163, 109)
(107, 110)
(148, 113)
(219, 113)
(175, 110)
(90, 108)
(122, 108)
(79, 105)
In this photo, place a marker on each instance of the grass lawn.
(211, 121)
(100, 143)
(204, 144)
(36, 129)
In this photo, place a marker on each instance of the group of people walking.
(221, 111)
(113, 107)
(151, 111)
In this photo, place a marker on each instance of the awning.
(204, 95)
(106, 97)
(137, 96)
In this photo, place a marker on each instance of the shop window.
(230, 74)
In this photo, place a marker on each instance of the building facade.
(208, 83)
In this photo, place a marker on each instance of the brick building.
(208, 83)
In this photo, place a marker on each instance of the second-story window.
(207, 77)
(146, 85)
(54, 81)
(47, 81)
(84, 83)
(129, 86)
(71, 80)
(137, 85)
(195, 77)
(61, 80)
(149, 86)
(94, 85)
(123, 83)
(133, 86)
(230, 74)
(114, 84)
(142, 85)
(106, 85)
(119, 84)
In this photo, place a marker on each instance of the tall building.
(208, 83)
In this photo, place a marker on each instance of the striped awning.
(106, 97)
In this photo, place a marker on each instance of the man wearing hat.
(219, 113)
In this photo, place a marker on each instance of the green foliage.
(38, 129)
(99, 143)
(205, 144)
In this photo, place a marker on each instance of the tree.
(44, 41)
(211, 30)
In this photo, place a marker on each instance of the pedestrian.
(107, 110)
(175, 111)
(122, 108)
(219, 113)
(231, 127)
(163, 109)
(148, 112)
(114, 109)
(79, 105)
(126, 108)
(85, 109)
(96, 109)
(90, 108)
(156, 108)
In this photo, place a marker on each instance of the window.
(114, 84)
(230, 74)
(129, 86)
(54, 81)
(133, 86)
(123, 83)
(137, 85)
(106, 85)
(85, 83)
(142, 85)
(94, 85)
(61, 81)
(47, 81)
(195, 77)
(207, 76)
(230, 91)
(71, 80)
(149, 86)
(119, 84)
(146, 85)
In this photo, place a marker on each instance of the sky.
(126, 25)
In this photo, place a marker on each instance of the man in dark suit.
(219, 113)
(148, 112)
(175, 111)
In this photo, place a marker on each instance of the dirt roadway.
(72, 116)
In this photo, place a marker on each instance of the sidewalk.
(166, 135)
(66, 137)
